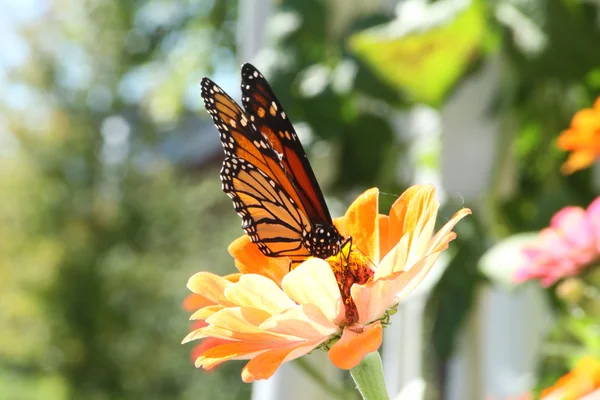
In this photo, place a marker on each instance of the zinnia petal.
(582, 380)
(578, 160)
(206, 345)
(210, 286)
(373, 298)
(250, 260)
(563, 249)
(356, 342)
(395, 260)
(581, 139)
(593, 214)
(407, 282)
(445, 234)
(340, 224)
(362, 223)
(256, 291)
(414, 213)
(206, 312)
(384, 236)
(235, 323)
(304, 321)
(264, 365)
(313, 282)
(233, 350)
(195, 301)
(587, 119)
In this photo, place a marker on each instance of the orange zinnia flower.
(194, 302)
(583, 380)
(582, 139)
(270, 315)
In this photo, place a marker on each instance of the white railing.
(498, 344)
(498, 347)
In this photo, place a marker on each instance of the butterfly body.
(323, 241)
(267, 175)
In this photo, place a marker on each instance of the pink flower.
(568, 245)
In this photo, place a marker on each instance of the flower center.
(350, 266)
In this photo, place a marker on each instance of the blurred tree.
(103, 223)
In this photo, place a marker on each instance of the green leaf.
(363, 146)
(550, 38)
(425, 64)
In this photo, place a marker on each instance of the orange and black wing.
(252, 175)
(267, 114)
(269, 215)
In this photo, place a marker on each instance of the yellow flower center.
(350, 266)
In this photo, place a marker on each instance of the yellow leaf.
(424, 64)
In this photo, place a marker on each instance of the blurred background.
(109, 187)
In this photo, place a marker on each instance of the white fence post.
(497, 350)
(252, 21)
(511, 326)
(403, 347)
(468, 152)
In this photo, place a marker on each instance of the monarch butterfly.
(267, 174)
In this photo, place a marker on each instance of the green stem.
(317, 377)
(368, 376)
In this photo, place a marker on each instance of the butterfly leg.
(294, 264)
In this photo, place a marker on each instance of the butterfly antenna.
(349, 240)
(294, 264)
(394, 195)
(367, 257)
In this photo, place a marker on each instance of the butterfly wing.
(270, 119)
(269, 216)
(252, 175)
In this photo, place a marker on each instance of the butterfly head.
(323, 241)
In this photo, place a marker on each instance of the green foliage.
(552, 39)
(96, 300)
(366, 167)
(102, 230)
(339, 97)
(424, 62)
